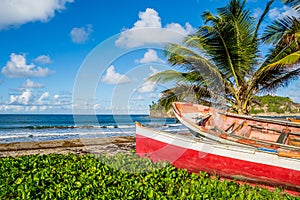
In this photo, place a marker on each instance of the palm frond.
(229, 41)
(192, 61)
(168, 76)
(287, 44)
(209, 17)
(293, 3)
(274, 32)
(265, 12)
(183, 92)
(281, 81)
(290, 59)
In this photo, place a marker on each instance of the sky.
(94, 56)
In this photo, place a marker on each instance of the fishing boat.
(291, 119)
(247, 163)
(230, 128)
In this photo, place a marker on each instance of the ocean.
(25, 127)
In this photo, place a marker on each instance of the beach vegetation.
(123, 176)
(225, 61)
(275, 104)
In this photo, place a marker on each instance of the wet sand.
(110, 146)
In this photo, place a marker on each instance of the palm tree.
(222, 61)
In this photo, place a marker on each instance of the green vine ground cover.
(58, 176)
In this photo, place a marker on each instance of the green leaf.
(150, 193)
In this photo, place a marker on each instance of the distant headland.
(264, 106)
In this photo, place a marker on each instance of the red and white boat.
(229, 128)
(247, 163)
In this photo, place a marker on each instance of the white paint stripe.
(226, 150)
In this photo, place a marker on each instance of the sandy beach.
(110, 145)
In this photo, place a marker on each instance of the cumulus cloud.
(149, 30)
(30, 84)
(147, 87)
(33, 108)
(22, 99)
(56, 96)
(65, 98)
(17, 67)
(113, 77)
(43, 59)
(82, 34)
(153, 70)
(43, 97)
(276, 13)
(27, 100)
(138, 98)
(150, 56)
(97, 106)
(18, 12)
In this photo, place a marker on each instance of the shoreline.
(111, 146)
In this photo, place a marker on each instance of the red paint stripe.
(195, 161)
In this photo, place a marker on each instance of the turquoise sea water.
(20, 128)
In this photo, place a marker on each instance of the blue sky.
(93, 56)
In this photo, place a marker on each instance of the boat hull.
(225, 160)
(232, 128)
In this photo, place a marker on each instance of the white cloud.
(113, 77)
(149, 18)
(138, 98)
(28, 101)
(62, 99)
(150, 56)
(82, 34)
(154, 95)
(17, 67)
(27, 98)
(97, 106)
(22, 99)
(43, 108)
(43, 59)
(18, 12)
(43, 97)
(56, 96)
(147, 87)
(153, 70)
(177, 27)
(149, 30)
(30, 84)
(276, 13)
(257, 12)
(33, 108)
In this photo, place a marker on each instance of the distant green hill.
(156, 110)
(275, 104)
(264, 105)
